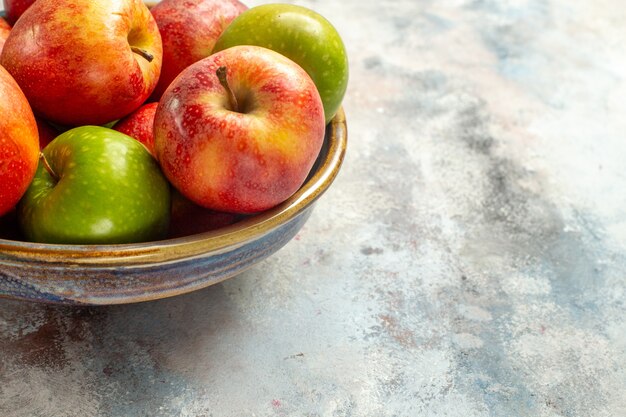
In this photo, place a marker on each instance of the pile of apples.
(122, 123)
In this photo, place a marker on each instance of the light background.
(468, 261)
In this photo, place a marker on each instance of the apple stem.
(221, 75)
(142, 52)
(47, 166)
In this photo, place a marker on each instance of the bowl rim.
(217, 241)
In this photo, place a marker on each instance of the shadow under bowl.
(118, 274)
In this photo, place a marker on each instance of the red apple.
(84, 61)
(245, 143)
(139, 125)
(15, 8)
(4, 32)
(19, 143)
(189, 29)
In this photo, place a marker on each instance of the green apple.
(302, 35)
(94, 185)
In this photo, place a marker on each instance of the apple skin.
(239, 162)
(302, 35)
(189, 30)
(139, 125)
(80, 74)
(5, 29)
(19, 143)
(15, 8)
(109, 190)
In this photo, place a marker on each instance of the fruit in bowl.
(140, 125)
(19, 143)
(303, 36)
(95, 218)
(84, 62)
(239, 131)
(117, 274)
(189, 30)
(96, 185)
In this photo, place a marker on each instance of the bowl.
(129, 273)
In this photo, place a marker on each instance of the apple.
(15, 8)
(95, 186)
(189, 29)
(19, 143)
(139, 125)
(244, 140)
(302, 35)
(84, 62)
(188, 218)
(5, 29)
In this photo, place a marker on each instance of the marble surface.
(468, 261)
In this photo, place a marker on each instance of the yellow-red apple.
(84, 61)
(19, 143)
(189, 29)
(245, 142)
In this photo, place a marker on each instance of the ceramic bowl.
(117, 274)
